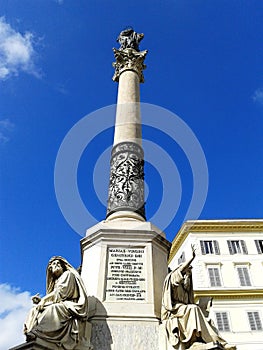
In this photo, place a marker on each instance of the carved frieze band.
(129, 59)
(126, 189)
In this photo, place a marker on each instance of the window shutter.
(251, 321)
(222, 321)
(230, 247)
(219, 321)
(216, 247)
(225, 322)
(202, 244)
(244, 247)
(243, 276)
(217, 277)
(247, 278)
(254, 321)
(214, 277)
(211, 277)
(258, 246)
(258, 321)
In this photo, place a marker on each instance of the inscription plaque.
(126, 274)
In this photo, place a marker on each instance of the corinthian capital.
(129, 59)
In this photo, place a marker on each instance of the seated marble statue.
(185, 324)
(59, 317)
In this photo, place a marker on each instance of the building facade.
(229, 268)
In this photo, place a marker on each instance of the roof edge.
(233, 225)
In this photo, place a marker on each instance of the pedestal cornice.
(123, 231)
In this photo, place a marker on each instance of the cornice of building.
(243, 225)
(229, 293)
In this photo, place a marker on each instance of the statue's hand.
(36, 298)
(40, 306)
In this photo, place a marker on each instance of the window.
(209, 247)
(237, 247)
(222, 321)
(254, 321)
(243, 275)
(259, 245)
(182, 258)
(214, 277)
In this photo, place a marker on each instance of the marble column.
(125, 257)
(126, 189)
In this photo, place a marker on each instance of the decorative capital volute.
(129, 59)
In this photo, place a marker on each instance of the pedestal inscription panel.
(125, 278)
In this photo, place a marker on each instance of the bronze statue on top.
(129, 39)
(128, 56)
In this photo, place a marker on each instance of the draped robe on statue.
(62, 320)
(184, 320)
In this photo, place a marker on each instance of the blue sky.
(205, 64)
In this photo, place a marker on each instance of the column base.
(125, 214)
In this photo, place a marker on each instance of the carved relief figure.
(60, 317)
(185, 324)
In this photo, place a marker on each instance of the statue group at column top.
(128, 56)
(129, 39)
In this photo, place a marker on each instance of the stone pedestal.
(124, 266)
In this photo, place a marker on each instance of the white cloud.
(16, 52)
(258, 96)
(14, 307)
(6, 126)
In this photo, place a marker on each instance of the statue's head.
(56, 266)
(127, 31)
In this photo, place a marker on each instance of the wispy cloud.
(17, 52)
(14, 307)
(6, 126)
(258, 96)
(60, 2)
